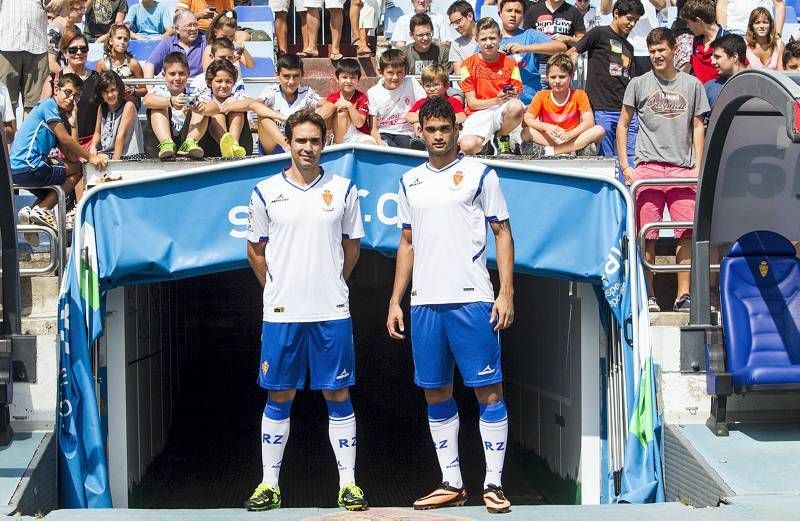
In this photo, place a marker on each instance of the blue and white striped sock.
(444, 423)
(274, 434)
(494, 432)
(342, 433)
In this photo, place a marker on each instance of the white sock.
(494, 433)
(549, 151)
(444, 423)
(342, 433)
(274, 434)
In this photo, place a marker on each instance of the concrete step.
(39, 325)
(39, 295)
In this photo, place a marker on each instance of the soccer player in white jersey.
(303, 241)
(444, 206)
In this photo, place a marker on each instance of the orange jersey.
(486, 79)
(566, 115)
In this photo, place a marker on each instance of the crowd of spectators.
(645, 84)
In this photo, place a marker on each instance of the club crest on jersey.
(457, 178)
(763, 268)
(264, 368)
(327, 198)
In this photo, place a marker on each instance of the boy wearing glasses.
(33, 167)
(423, 52)
(462, 19)
(435, 80)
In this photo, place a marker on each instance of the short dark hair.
(792, 50)
(504, 2)
(437, 107)
(289, 61)
(176, 57)
(461, 7)
(348, 66)
(219, 66)
(70, 77)
(393, 58)
(661, 34)
(733, 44)
(222, 43)
(304, 116)
(418, 20)
(702, 9)
(626, 7)
(486, 23)
(105, 80)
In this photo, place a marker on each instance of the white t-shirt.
(638, 35)
(178, 116)
(273, 97)
(303, 229)
(391, 106)
(447, 211)
(442, 30)
(739, 13)
(6, 109)
(462, 48)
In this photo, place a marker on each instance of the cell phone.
(508, 89)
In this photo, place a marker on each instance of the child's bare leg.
(531, 134)
(270, 136)
(197, 126)
(160, 123)
(217, 125)
(592, 135)
(236, 122)
(341, 122)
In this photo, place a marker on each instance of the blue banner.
(180, 226)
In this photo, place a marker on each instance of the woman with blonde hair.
(764, 46)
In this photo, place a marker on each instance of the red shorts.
(650, 200)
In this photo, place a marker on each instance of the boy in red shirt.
(491, 84)
(560, 119)
(435, 81)
(346, 112)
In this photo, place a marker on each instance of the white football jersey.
(303, 229)
(447, 211)
(307, 98)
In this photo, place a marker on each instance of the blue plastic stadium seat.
(264, 67)
(760, 292)
(142, 49)
(253, 13)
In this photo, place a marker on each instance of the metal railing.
(58, 243)
(641, 236)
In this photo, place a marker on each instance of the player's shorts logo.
(327, 198)
(264, 368)
(344, 374)
(457, 178)
(486, 371)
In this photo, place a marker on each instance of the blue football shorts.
(290, 350)
(445, 335)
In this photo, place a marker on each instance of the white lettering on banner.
(382, 217)
(362, 194)
(614, 261)
(238, 216)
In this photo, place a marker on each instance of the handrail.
(54, 242)
(61, 222)
(247, 79)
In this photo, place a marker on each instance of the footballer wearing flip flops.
(302, 243)
(444, 206)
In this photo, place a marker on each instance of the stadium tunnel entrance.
(182, 406)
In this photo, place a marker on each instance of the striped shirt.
(23, 26)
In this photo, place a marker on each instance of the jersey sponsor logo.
(413, 293)
(249, 219)
(453, 464)
(667, 104)
(280, 309)
(264, 368)
(344, 374)
(280, 199)
(415, 182)
(486, 371)
(341, 306)
(467, 289)
(327, 198)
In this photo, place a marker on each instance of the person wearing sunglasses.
(45, 128)
(83, 118)
(67, 14)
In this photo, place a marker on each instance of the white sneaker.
(43, 217)
(69, 219)
(24, 216)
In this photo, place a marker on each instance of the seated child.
(435, 81)
(281, 101)
(791, 56)
(167, 109)
(118, 132)
(32, 166)
(220, 115)
(346, 111)
(491, 84)
(391, 99)
(560, 119)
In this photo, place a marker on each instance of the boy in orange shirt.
(560, 119)
(491, 84)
